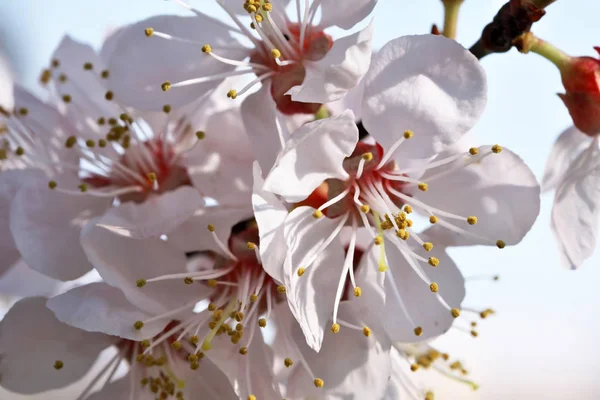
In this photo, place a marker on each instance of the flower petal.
(21, 281)
(122, 261)
(314, 153)
(577, 208)
(29, 323)
(339, 71)
(99, 307)
(428, 84)
(345, 14)
(499, 189)
(139, 65)
(6, 82)
(569, 145)
(156, 216)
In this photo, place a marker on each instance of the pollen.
(67, 98)
(211, 228)
(281, 289)
(267, 7)
(212, 307)
(496, 148)
(428, 246)
(423, 187)
(473, 151)
(20, 151)
(319, 382)
(253, 298)
(500, 244)
(58, 364)
(357, 291)
(418, 331)
(366, 331)
(251, 397)
(474, 333)
(367, 156)
(90, 143)
(433, 219)
(288, 362)
(262, 322)
(378, 240)
(434, 262)
(408, 209)
(251, 245)
(52, 184)
(301, 271)
(275, 53)
(140, 283)
(200, 135)
(212, 282)
(365, 208)
(82, 187)
(335, 328)
(414, 367)
(176, 345)
(472, 220)
(165, 86)
(434, 287)
(105, 74)
(102, 143)
(138, 325)
(149, 32)
(455, 312)
(166, 108)
(109, 95)
(188, 280)
(408, 134)
(194, 340)
(243, 351)
(232, 94)
(429, 396)
(88, 66)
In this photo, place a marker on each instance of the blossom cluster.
(268, 207)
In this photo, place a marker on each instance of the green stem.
(451, 9)
(549, 52)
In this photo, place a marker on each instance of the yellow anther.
(365, 208)
(82, 187)
(317, 214)
(194, 340)
(288, 362)
(192, 358)
(267, 7)
(200, 135)
(46, 76)
(366, 331)
(194, 366)
(109, 95)
(414, 367)
(368, 156)
(434, 262)
(67, 98)
(88, 66)
(473, 151)
(428, 246)
(23, 111)
(253, 298)
(140, 283)
(408, 209)
(232, 94)
(496, 148)
(145, 343)
(55, 63)
(378, 240)
(243, 351)
(423, 187)
(166, 108)
(151, 176)
(501, 244)
(408, 134)
(434, 287)
(382, 267)
(474, 324)
(188, 280)
(357, 291)
(101, 143)
(149, 32)
(251, 8)
(239, 327)
(251, 397)
(455, 312)
(335, 328)
(212, 282)
(138, 325)
(62, 78)
(251, 245)
(58, 364)
(176, 345)
(105, 74)
(472, 220)
(238, 316)
(433, 219)
(429, 396)
(252, 26)
(259, 18)
(165, 86)
(318, 383)
(418, 331)
(52, 184)
(275, 53)
(281, 289)
(90, 143)
(301, 271)
(20, 151)
(212, 307)
(211, 228)
(402, 234)
(262, 322)
(474, 333)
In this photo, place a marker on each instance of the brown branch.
(512, 20)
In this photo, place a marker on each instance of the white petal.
(122, 261)
(6, 82)
(569, 145)
(577, 208)
(311, 297)
(428, 84)
(499, 189)
(339, 71)
(269, 213)
(99, 307)
(156, 216)
(21, 281)
(139, 65)
(32, 340)
(314, 153)
(261, 124)
(46, 225)
(345, 14)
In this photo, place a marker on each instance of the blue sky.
(541, 344)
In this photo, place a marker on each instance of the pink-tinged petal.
(577, 208)
(339, 71)
(220, 166)
(122, 261)
(314, 153)
(158, 215)
(345, 14)
(21, 281)
(269, 213)
(261, 124)
(311, 297)
(46, 225)
(139, 65)
(99, 307)
(428, 84)
(120, 389)
(194, 235)
(499, 189)
(569, 145)
(32, 340)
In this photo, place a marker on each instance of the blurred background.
(541, 344)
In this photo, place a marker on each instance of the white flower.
(422, 93)
(64, 354)
(297, 62)
(79, 158)
(573, 169)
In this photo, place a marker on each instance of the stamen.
(220, 244)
